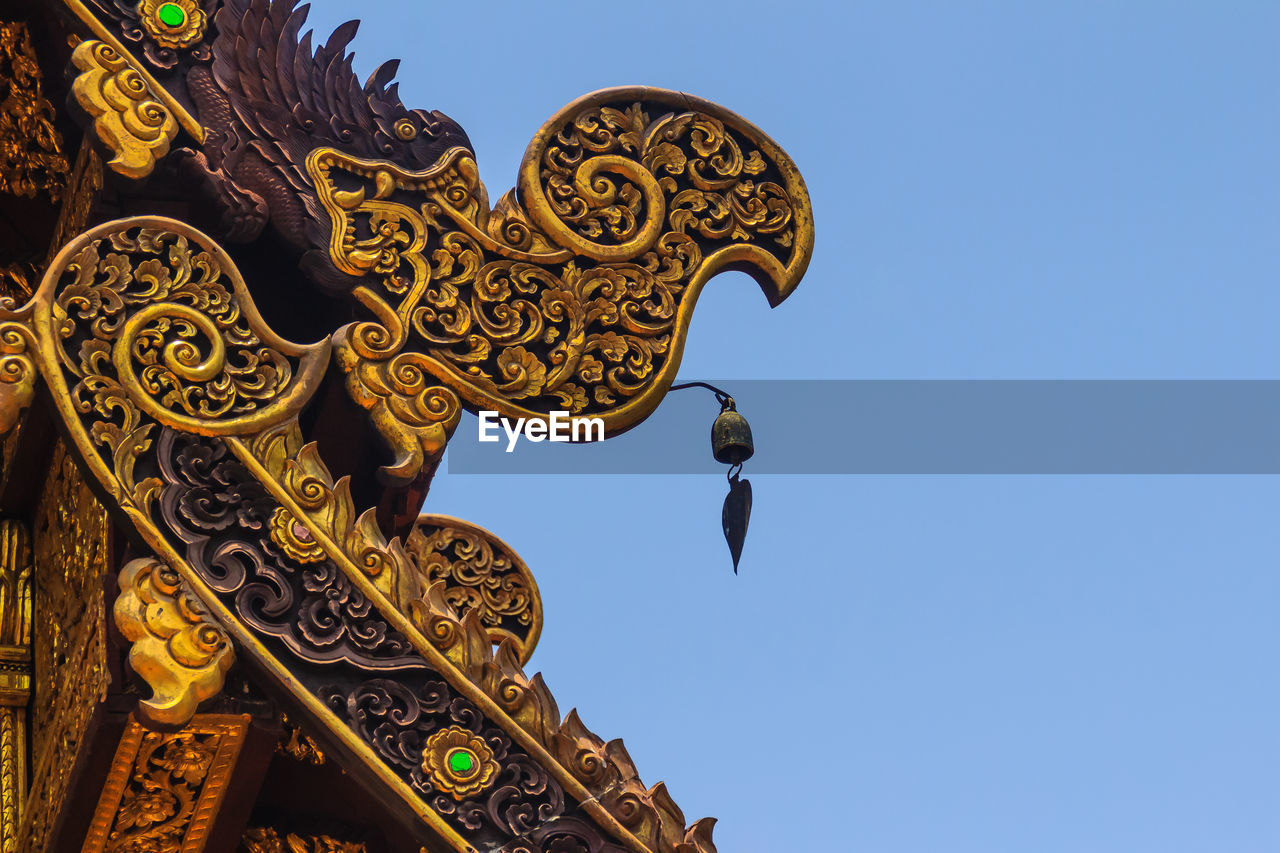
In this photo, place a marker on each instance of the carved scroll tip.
(698, 836)
(167, 711)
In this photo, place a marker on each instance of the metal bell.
(731, 437)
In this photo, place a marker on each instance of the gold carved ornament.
(600, 322)
(175, 24)
(126, 319)
(605, 772)
(265, 839)
(459, 763)
(297, 744)
(135, 117)
(71, 538)
(153, 323)
(599, 775)
(574, 293)
(146, 321)
(481, 573)
(15, 676)
(164, 788)
(31, 151)
(178, 649)
(128, 115)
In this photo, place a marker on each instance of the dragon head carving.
(573, 293)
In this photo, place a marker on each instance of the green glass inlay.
(171, 15)
(461, 761)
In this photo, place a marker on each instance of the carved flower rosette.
(458, 762)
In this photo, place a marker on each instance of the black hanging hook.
(732, 444)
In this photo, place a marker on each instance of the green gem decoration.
(171, 15)
(461, 762)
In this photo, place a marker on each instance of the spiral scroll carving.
(18, 374)
(228, 522)
(480, 573)
(177, 647)
(150, 317)
(574, 294)
(128, 117)
(338, 643)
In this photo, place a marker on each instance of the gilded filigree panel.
(480, 573)
(70, 536)
(164, 788)
(31, 153)
(15, 675)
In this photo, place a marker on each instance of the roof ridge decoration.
(575, 291)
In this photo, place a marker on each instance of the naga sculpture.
(266, 465)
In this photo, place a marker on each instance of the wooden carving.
(399, 642)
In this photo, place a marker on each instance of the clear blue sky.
(922, 664)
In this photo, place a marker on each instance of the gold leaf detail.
(128, 118)
(296, 744)
(31, 156)
(293, 537)
(574, 293)
(177, 647)
(481, 573)
(446, 747)
(259, 839)
(71, 543)
(164, 788)
(189, 32)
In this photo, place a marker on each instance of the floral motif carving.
(147, 36)
(152, 314)
(458, 762)
(399, 718)
(580, 301)
(216, 497)
(292, 536)
(177, 647)
(150, 320)
(480, 573)
(212, 501)
(71, 541)
(31, 151)
(604, 769)
(326, 510)
(164, 788)
(173, 24)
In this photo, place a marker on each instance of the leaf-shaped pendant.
(735, 516)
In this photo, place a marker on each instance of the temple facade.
(224, 623)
